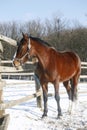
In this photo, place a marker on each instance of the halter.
(27, 53)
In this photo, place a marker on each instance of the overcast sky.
(24, 10)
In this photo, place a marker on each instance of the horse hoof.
(44, 115)
(59, 116)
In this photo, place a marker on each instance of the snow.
(27, 116)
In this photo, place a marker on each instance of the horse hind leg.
(74, 89)
(69, 92)
(74, 93)
(68, 88)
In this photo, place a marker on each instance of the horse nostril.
(13, 63)
(16, 63)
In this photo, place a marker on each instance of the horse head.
(22, 53)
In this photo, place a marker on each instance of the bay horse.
(53, 66)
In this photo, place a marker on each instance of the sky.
(25, 10)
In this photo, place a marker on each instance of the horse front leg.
(45, 98)
(57, 98)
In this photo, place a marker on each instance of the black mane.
(40, 40)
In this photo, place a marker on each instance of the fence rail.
(11, 71)
(10, 104)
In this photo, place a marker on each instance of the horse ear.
(25, 36)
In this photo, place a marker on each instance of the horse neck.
(42, 55)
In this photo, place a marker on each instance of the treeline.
(56, 32)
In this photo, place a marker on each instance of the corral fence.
(11, 73)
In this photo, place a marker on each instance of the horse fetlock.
(59, 115)
(59, 112)
(44, 115)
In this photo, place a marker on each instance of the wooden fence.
(5, 70)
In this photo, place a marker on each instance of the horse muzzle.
(17, 63)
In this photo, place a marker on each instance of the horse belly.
(67, 75)
(62, 79)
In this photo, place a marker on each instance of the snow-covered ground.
(27, 116)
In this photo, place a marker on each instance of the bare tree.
(34, 27)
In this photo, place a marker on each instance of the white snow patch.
(27, 116)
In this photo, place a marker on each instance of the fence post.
(38, 88)
(4, 119)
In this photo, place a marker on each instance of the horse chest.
(48, 76)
